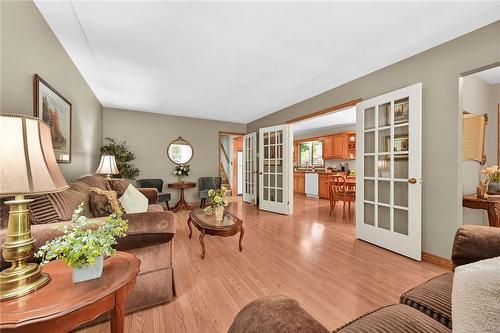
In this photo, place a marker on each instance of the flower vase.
(88, 272)
(493, 188)
(181, 179)
(219, 213)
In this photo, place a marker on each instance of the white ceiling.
(238, 61)
(334, 120)
(492, 75)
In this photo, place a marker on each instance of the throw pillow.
(476, 297)
(134, 201)
(103, 203)
(118, 185)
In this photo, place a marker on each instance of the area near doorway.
(230, 146)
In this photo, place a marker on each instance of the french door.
(389, 167)
(250, 168)
(275, 169)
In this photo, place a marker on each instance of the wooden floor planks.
(310, 256)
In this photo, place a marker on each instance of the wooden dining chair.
(338, 190)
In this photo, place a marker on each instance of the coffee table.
(62, 305)
(207, 225)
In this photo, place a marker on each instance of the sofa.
(424, 308)
(149, 236)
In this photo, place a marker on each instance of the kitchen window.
(311, 153)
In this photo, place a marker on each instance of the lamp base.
(21, 281)
(22, 277)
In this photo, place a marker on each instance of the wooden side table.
(492, 205)
(182, 200)
(63, 305)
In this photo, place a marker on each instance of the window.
(311, 153)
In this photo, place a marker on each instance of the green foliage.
(123, 157)
(80, 245)
(182, 170)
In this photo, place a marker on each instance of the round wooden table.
(62, 305)
(182, 203)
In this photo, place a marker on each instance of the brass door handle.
(412, 181)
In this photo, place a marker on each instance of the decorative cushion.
(56, 207)
(133, 201)
(118, 185)
(95, 181)
(476, 297)
(397, 318)
(432, 298)
(42, 211)
(103, 203)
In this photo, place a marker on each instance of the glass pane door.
(389, 131)
(249, 167)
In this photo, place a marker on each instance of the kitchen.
(323, 146)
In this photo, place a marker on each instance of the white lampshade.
(107, 165)
(27, 162)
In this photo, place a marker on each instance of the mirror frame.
(180, 140)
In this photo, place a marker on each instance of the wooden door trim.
(219, 137)
(327, 110)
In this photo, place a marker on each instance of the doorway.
(230, 148)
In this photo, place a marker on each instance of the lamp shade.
(27, 161)
(107, 166)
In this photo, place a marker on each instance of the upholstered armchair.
(205, 184)
(158, 184)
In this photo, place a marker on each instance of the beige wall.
(149, 134)
(439, 70)
(479, 97)
(29, 46)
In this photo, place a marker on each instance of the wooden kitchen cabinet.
(299, 182)
(328, 147)
(323, 185)
(340, 146)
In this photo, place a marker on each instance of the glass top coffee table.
(207, 225)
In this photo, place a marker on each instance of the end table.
(62, 305)
(182, 200)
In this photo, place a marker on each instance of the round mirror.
(180, 151)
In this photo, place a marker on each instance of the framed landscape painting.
(55, 110)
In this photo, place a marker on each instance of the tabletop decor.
(55, 110)
(181, 171)
(82, 247)
(123, 156)
(28, 167)
(493, 180)
(218, 201)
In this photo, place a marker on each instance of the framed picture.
(55, 110)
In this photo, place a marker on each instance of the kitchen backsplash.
(335, 164)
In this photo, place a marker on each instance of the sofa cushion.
(118, 185)
(42, 211)
(134, 201)
(103, 203)
(432, 298)
(277, 314)
(95, 181)
(397, 318)
(476, 297)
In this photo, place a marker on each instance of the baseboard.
(438, 261)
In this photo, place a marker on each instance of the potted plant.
(218, 201)
(83, 247)
(181, 171)
(493, 173)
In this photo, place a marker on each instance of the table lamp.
(28, 167)
(107, 166)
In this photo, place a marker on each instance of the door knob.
(412, 181)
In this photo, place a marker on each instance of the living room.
(164, 80)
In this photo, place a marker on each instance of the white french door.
(389, 168)
(250, 167)
(275, 169)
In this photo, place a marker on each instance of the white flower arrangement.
(182, 170)
(218, 197)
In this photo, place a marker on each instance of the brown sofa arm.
(150, 193)
(277, 314)
(475, 242)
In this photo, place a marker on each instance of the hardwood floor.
(309, 256)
